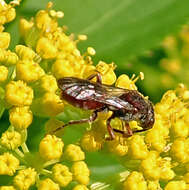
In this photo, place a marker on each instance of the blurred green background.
(129, 33)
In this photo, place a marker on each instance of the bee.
(127, 105)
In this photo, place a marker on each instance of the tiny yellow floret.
(51, 147)
(74, 153)
(61, 175)
(80, 172)
(11, 139)
(7, 188)
(25, 178)
(46, 49)
(3, 73)
(28, 71)
(20, 117)
(17, 93)
(9, 164)
(125, 82)
(4, 40)
(25, 53)
(137, 147)
(135, 181)
(80, 187)
(107, 72)
(48, 184)
(176, 185)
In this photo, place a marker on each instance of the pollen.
(91, 51)
(11, 140)
(20, 117)
(9, 164)
(25, 178)
(80, 172)
(61, 175)
(17, 93)
(51, 147)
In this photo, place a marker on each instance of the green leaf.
(119, 29)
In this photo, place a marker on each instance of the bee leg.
(110, 130)
(98, 77)
(73, 122)
(129, 131)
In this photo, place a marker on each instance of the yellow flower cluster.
(50, 153)
(158, 159)
(175, 63)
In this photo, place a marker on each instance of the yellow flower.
(175, 185)
(8, 58)
(80, 187)
(45, 22)
(80, 172)
(155, 167)
(107, 72)
(135, 181)
(48, 184)
(61, 175)
(25, 178)
(9, 164)
(11, 139)
(17, 93)
(91, 141)
(47, 83)
(51, 147)
(180, 150)
(118, 146)
(20, 117)
(124, 81)
(24, 27)
(3, 73)
(7, 188)
(74, 153)
(61, 68)
(137, 147)
(28, 71)
(4, 40)
(25, 53)
(46, 49)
